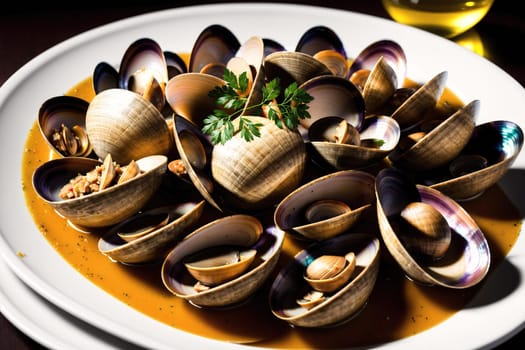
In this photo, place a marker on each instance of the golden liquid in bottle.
(447, 18)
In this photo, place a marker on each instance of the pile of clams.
(377, 163)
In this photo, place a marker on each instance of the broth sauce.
(397, 308)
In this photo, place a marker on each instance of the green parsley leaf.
(232, 98)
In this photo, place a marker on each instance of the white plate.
(46, 323)
(490, 318)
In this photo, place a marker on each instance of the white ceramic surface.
(488, 320)
(46, 323)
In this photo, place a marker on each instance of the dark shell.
(390, 50)
(58, 110)
(105, 76)
(320, 38)
(175, 63)
(271, 46)
(144, 53)
(201, 177)
(215, 44)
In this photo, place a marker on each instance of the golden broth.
(396, 309)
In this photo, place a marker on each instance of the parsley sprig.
(233, 97)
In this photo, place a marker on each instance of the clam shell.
(187, 95)
(336, 276)
(467, 260)
(411, 112)
(380, 86)
(353, 187)
(344, 304)
(320, 38)
(342, 156)
(215, 44)
(156, 244)
(291, 66)
(257, 174)
(105, 76)
(391, 52)
(199, 175)
(499, 142)
(334, 96)
(127, 126)
(143, 55)
(175, 64)
(441, 144)
(238, 230)
(213, 270)
(63, 110)
(103, 208)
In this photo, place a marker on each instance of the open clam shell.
(334, 96)
(467, 259)
(411, 112)
(153, 245)
(353, 188)
(187, 94)
(195, 150)
(337, 307)
(238, 230)
(378, 137)
(216, 44)
(62, 123)
(440, 145)
(390, 51)
(498, 143)
(324, 44)
(292, 66)
(103, 208)
(127, 126)
(320, 38)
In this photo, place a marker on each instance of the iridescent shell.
(466, 261)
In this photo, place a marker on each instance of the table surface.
(503, 26)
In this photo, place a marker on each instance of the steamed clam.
(234, 236)
(143, 69)
(422, 150)
(259, 173)
(324, 44)
(149, 235)
(104, 207)
(337, 144)
(290, 292)
(457, 256)
(215, 46)
(489, 153)
(388, 50)
(62, 123)
(127, 126)
(338, 200)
